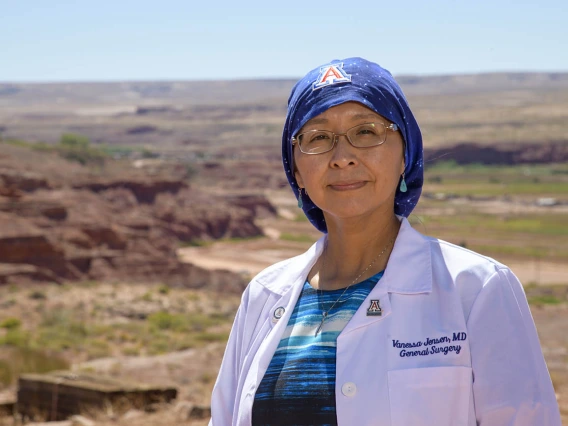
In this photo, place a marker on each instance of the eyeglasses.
(363, 135)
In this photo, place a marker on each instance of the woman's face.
(349, 182)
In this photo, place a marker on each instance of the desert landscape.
(133, 214)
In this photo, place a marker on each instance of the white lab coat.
(404, 368)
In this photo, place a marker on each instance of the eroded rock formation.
(117, 228)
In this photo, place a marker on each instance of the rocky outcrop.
(22, 180)
(197, 216)
(145, 191)
(256, 204)
(22, 242)
(119, 229)
(239, 174)
(15, 273)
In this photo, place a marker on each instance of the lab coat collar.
(280, 277)
(409, 269)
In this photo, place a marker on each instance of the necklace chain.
(324, 314)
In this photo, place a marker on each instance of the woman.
(375, 324)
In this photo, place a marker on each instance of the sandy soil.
(251, 257)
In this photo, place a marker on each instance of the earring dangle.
(403, 187)
(300, 201)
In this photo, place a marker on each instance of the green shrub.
(43, 147)
(37, 295)
(131, 351)
(73, 140)
(16, 142)
(544, 300)
(212, 337)
(83, 156)
(163, 289)
(10, 323)
(146, 153)
(146, 297)
(159, 345)
(16, 337)
(166, 321)
(59, 330)
(116, 151)
(98, 349)
(74, 147)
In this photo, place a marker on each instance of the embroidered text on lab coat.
(432, 345)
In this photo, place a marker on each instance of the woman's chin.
(352, 212)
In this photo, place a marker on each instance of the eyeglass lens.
(361, 136)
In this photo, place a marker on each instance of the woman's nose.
(344, 153)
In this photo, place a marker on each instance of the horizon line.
(249, 79)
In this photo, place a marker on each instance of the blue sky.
(104, 40)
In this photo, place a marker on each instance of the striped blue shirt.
(299, 386)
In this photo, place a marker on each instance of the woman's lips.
(347, 186)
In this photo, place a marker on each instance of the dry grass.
(91, 321)
(150, 334)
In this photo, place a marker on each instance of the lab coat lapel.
(400, 276)
(287, 282)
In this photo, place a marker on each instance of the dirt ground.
(251, 257)
(193, 371)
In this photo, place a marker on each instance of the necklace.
(324, 314)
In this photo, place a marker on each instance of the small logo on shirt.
(278, 312)
(331, 74)
(374, 309)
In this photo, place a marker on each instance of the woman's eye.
(367, 131)
(319, 137)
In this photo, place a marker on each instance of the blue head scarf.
(354, 80)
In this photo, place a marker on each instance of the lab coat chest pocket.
(430, 396)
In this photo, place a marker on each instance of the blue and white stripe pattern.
(299, 385)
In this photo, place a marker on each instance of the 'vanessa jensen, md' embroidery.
(431, 346)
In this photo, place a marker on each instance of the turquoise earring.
(403, 187)
(300, 201)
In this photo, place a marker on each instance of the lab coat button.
(349, 389)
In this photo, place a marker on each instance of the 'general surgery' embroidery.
(431, 346)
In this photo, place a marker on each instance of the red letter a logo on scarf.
(331, 74)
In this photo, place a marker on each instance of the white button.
(250, 393)
(349, 389)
